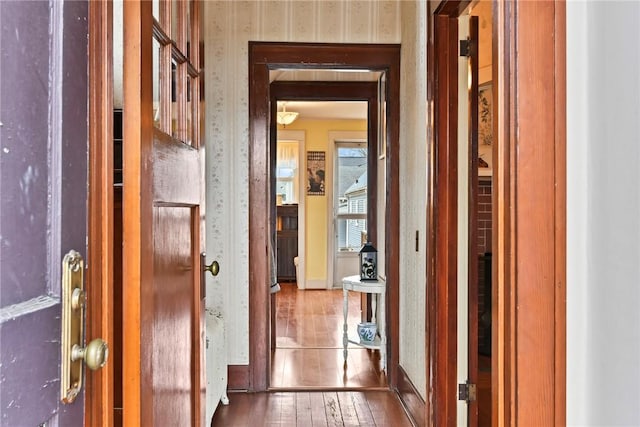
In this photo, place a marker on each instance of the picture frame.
(485, 114)
(316, 168)
(485, 129)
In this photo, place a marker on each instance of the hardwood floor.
(297, 409)
(308, 351)
(308, 359)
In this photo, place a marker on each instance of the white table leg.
(345, 336)
(374, 299)
(383, 334)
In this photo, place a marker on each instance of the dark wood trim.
(442, 214)
(472, 223)
(411, 399)
(452, 8)
(238, 377)
(262, 58)
(99, 408)
(323, 91)
(259, 225)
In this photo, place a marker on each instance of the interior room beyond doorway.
(310, 187)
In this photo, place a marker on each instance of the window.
(287, 177)
(351, 196)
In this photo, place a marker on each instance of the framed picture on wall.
(315, 173)
(485, 129)
(485, 115)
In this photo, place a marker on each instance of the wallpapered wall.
(229, 25)
(413, 197)
(228, 28)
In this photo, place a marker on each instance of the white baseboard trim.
(316, 284)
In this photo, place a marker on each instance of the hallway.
(308, 355)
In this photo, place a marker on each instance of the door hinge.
(465, 48)
(467, 392)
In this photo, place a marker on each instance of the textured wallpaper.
(413, 195)
(229, 26)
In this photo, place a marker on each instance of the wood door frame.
(264, 56)
(529, 265)
(99, 316)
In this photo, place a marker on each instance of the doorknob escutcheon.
(72, 340)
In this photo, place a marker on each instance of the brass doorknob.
(213, 268)
(95, 354)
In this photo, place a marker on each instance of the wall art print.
(315, 173)
(485, 115)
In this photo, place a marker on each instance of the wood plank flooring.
(308, 351)
(302, 409)
(308, 358)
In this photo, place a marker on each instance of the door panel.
(472, 218)
(43, 183)
(172, 345)
(467, 247)
(163, 217)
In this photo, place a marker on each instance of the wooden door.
(43, 208)
(163, 313)
(472, 215)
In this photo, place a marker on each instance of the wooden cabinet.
(287, 242)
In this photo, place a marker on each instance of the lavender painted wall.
(43, 189)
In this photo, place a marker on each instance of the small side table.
(378, 288)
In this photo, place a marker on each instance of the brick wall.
(484, 216)
(484, 246)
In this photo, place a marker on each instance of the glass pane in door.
(351, 195)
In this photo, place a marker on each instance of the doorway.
(262, 58)
(307, 312)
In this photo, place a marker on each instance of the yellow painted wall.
(483, 11)
(317, 222)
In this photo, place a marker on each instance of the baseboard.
(238, 377)
(410, 398)
(315, 284)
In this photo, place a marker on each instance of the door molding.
(99, 315)
(264, 56)
(529, 215)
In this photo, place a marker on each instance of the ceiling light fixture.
(286, 117)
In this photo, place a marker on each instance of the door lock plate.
(73, 302)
